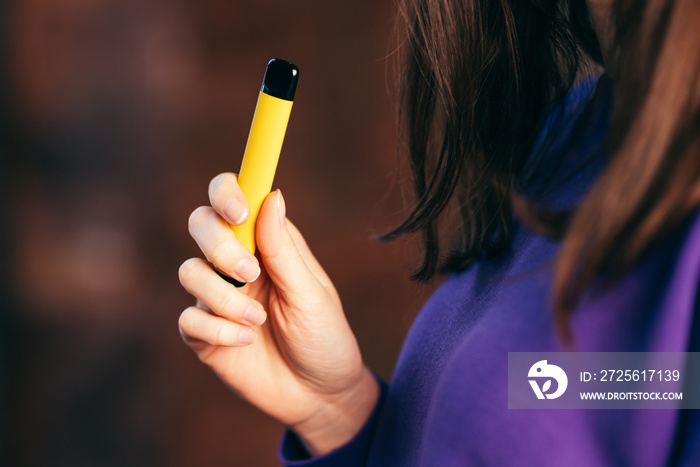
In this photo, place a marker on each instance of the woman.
(565, 223)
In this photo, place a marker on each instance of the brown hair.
(477, 79)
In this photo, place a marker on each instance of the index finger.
(227, 199)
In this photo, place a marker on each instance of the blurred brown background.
(115, 116)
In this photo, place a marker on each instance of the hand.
(282, 341)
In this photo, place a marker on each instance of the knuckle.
(283, 248)
(221, 334)
(286, 250)
(270, 256)
(188, 270)
(226, 304)
(186, 320)
(221, 254)
(198, 217)
(221, 181)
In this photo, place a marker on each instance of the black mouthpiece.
(280, 79)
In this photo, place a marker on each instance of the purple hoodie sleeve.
(291, 451)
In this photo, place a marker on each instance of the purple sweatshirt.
(447, 404)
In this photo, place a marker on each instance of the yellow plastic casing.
(262, 152)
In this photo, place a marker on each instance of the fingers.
(197, 327)
(283, 261)
(219, 245)
(227, 198)
(218, 296)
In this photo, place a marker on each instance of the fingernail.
(247, 270)
(247, 336)
(254, 314)
(281, 208)
(235, 211)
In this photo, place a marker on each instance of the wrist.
(340, 417)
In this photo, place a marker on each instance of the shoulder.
(652, 307)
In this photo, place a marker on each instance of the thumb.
(283, 262)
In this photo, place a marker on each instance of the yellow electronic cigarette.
(262, 151)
